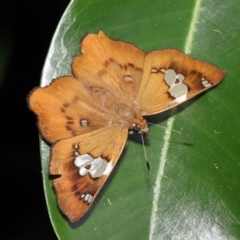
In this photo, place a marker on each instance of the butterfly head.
(140, 126)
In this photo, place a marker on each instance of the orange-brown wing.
(66, 109)
(114, 65)
(84, 163)
(171, 77)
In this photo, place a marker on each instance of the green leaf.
(192, 190)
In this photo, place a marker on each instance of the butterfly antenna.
(145, 154)
(185, 134)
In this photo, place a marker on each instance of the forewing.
(113, 65)
(84, 163)
(66, 109)
(171, 77)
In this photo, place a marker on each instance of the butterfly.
(87, 117)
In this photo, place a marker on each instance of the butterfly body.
(87, 116)
(126, 114)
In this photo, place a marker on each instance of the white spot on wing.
(154, 70)
(177, 89)
(83, 171)
(180, 77)
(84, 123)
(76, 152)
(88, 198)
(205, 82)
(170, 77)
(128, 79)
(83, 160)
(97, 166)
(108, 169)
(76, 145)
(207, 85)
(181, 99)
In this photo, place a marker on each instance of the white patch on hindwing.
(177, 89)
(205, 82)
(88, 165)
(87, 197)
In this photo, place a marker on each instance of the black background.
(27, 27)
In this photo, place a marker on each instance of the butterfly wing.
(171, 77)
(66, 109)
(84, 163)
(113, 65)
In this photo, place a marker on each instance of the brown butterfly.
(87, 116)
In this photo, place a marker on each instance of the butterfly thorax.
(130, 117)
